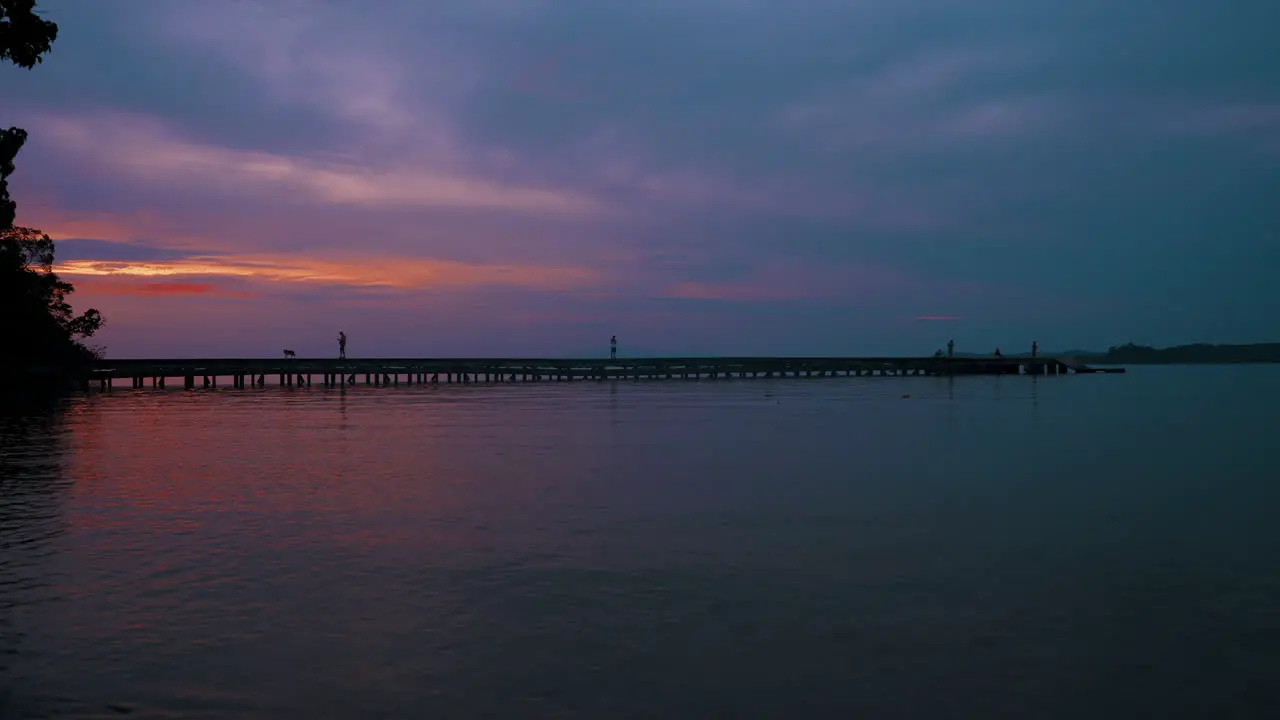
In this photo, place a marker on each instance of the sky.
(529, 177)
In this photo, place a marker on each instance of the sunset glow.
(781, 188)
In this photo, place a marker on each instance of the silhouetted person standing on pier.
(342, 345)
(951, 348)
(613, 348)
(1034, 348)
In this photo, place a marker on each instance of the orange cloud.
(385, 272)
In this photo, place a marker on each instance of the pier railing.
(248, 372)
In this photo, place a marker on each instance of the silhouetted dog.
(290, 353)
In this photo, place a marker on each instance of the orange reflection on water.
(283, 471)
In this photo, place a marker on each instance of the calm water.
(1077, 547)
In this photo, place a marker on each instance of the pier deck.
(386, 371)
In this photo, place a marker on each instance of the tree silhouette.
(11, 141)
(24, 36)
(36, 321)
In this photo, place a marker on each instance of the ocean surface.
(984, 547)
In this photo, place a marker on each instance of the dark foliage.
(34, 311)
(37, 324)
(1194, 354)
(24, 36)
(11, 141)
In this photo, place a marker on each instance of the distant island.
(1196, 354)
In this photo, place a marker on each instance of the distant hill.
(1197, 354)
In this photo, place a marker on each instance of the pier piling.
(420, 371)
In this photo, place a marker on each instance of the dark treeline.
(40, 332)
(1131, 354)
(1199, 353)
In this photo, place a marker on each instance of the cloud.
(681, 167)
(922, 105)
(97, 249)
(124, 230)
(783, 281)
(147, 150)
(362, 271)
(1230, 120)
(128, 286)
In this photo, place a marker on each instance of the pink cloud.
(148, 151)
(114, 287)
(176, 288)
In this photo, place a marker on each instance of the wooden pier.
(328, 372)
